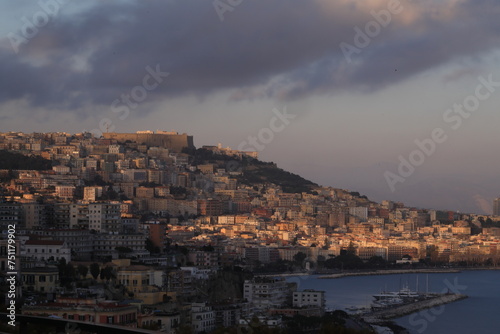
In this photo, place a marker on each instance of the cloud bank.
(262, 49)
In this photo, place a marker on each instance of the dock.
(390, 272)
(405, 309)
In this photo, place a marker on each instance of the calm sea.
(478, 314)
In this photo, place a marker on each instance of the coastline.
(390, 272)
(382, 272)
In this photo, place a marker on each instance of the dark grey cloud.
(280, 49)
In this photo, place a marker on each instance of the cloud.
(263, 49)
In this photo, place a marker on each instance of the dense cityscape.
(144, 230)
(248, 167)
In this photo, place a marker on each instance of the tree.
(178, 190)
(62, 270)
(376, 261)
(94, 270)
(82, 270)
(109, 194)
(344, 261)
(432, 253)
(299, 258)
(351, 249)
(70, 273)
(208, 248)
(184, 250)
(17, 161)
(149, 245)
(98, 181)
(107, 273)
(67, 273)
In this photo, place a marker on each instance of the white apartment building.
(202, 318)
(43, 250)
(265, 293)
(359, 211)
(105, 217)
(309, 298)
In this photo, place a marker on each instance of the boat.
(352, 308)
(385, 303)
(357, 309)
(405, 294)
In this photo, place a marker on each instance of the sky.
(397, 100)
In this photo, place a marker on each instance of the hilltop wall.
(174, 142)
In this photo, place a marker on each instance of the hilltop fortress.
(171, 140)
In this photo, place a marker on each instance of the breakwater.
(389, 272)
(402, 310)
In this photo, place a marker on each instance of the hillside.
(11, 160)
(254, 171)
(260, 172)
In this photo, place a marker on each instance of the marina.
(391, 311)
(447, 310)
(388, 305)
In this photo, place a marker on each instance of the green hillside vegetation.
(261, 172)
(13, 161)
(254, 170)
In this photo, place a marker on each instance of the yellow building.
(44, 279)
(144, 282)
